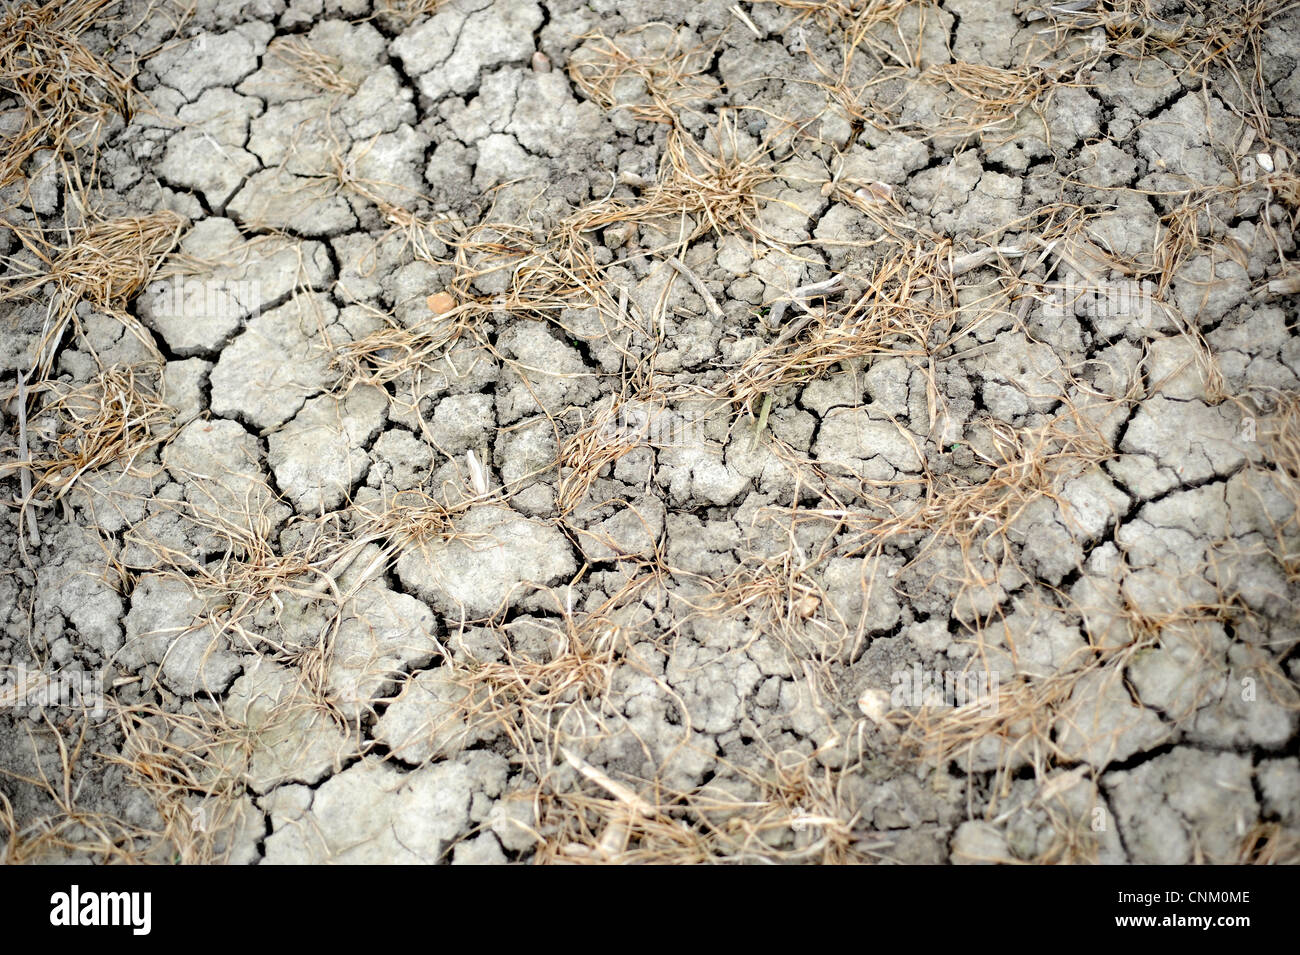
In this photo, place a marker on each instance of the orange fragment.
(440, 303)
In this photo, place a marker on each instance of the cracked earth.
(491, 431)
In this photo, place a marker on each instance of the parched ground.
(543, 430)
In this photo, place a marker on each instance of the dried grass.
(318, 69)
(660, 67)
(1270, 843)
(700, 189)
(901, 307)
(65, 92)
(67, 831)
(618, 428)
(112, 419)
(408, 10)
(106, 265)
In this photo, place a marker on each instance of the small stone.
(874, 704)
(440, 303)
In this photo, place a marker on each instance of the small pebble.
(440, 303)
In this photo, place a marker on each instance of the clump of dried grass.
(799, 794)
(543, 704)
(195, 766)
(546, 275)
(584, 828)
(903, 303)
(781, 596)
(1073, 838)
(65, 93)
(112, 260)
(715, 187)
(1022, 719)
(410, 518)
(396, 351)
(319, 69)
(1270, 843)
(1217, 33)
(68, 831)
(1278, 432)
(1028, 464)
(408, 9)
(670, 72)
(992, 97)
(855, 16)
(107, 265)
(619, 825)
(1189, 228)
(799, 813)
(529, 697)
(170, 756)
(618, 428)
(114, 418)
